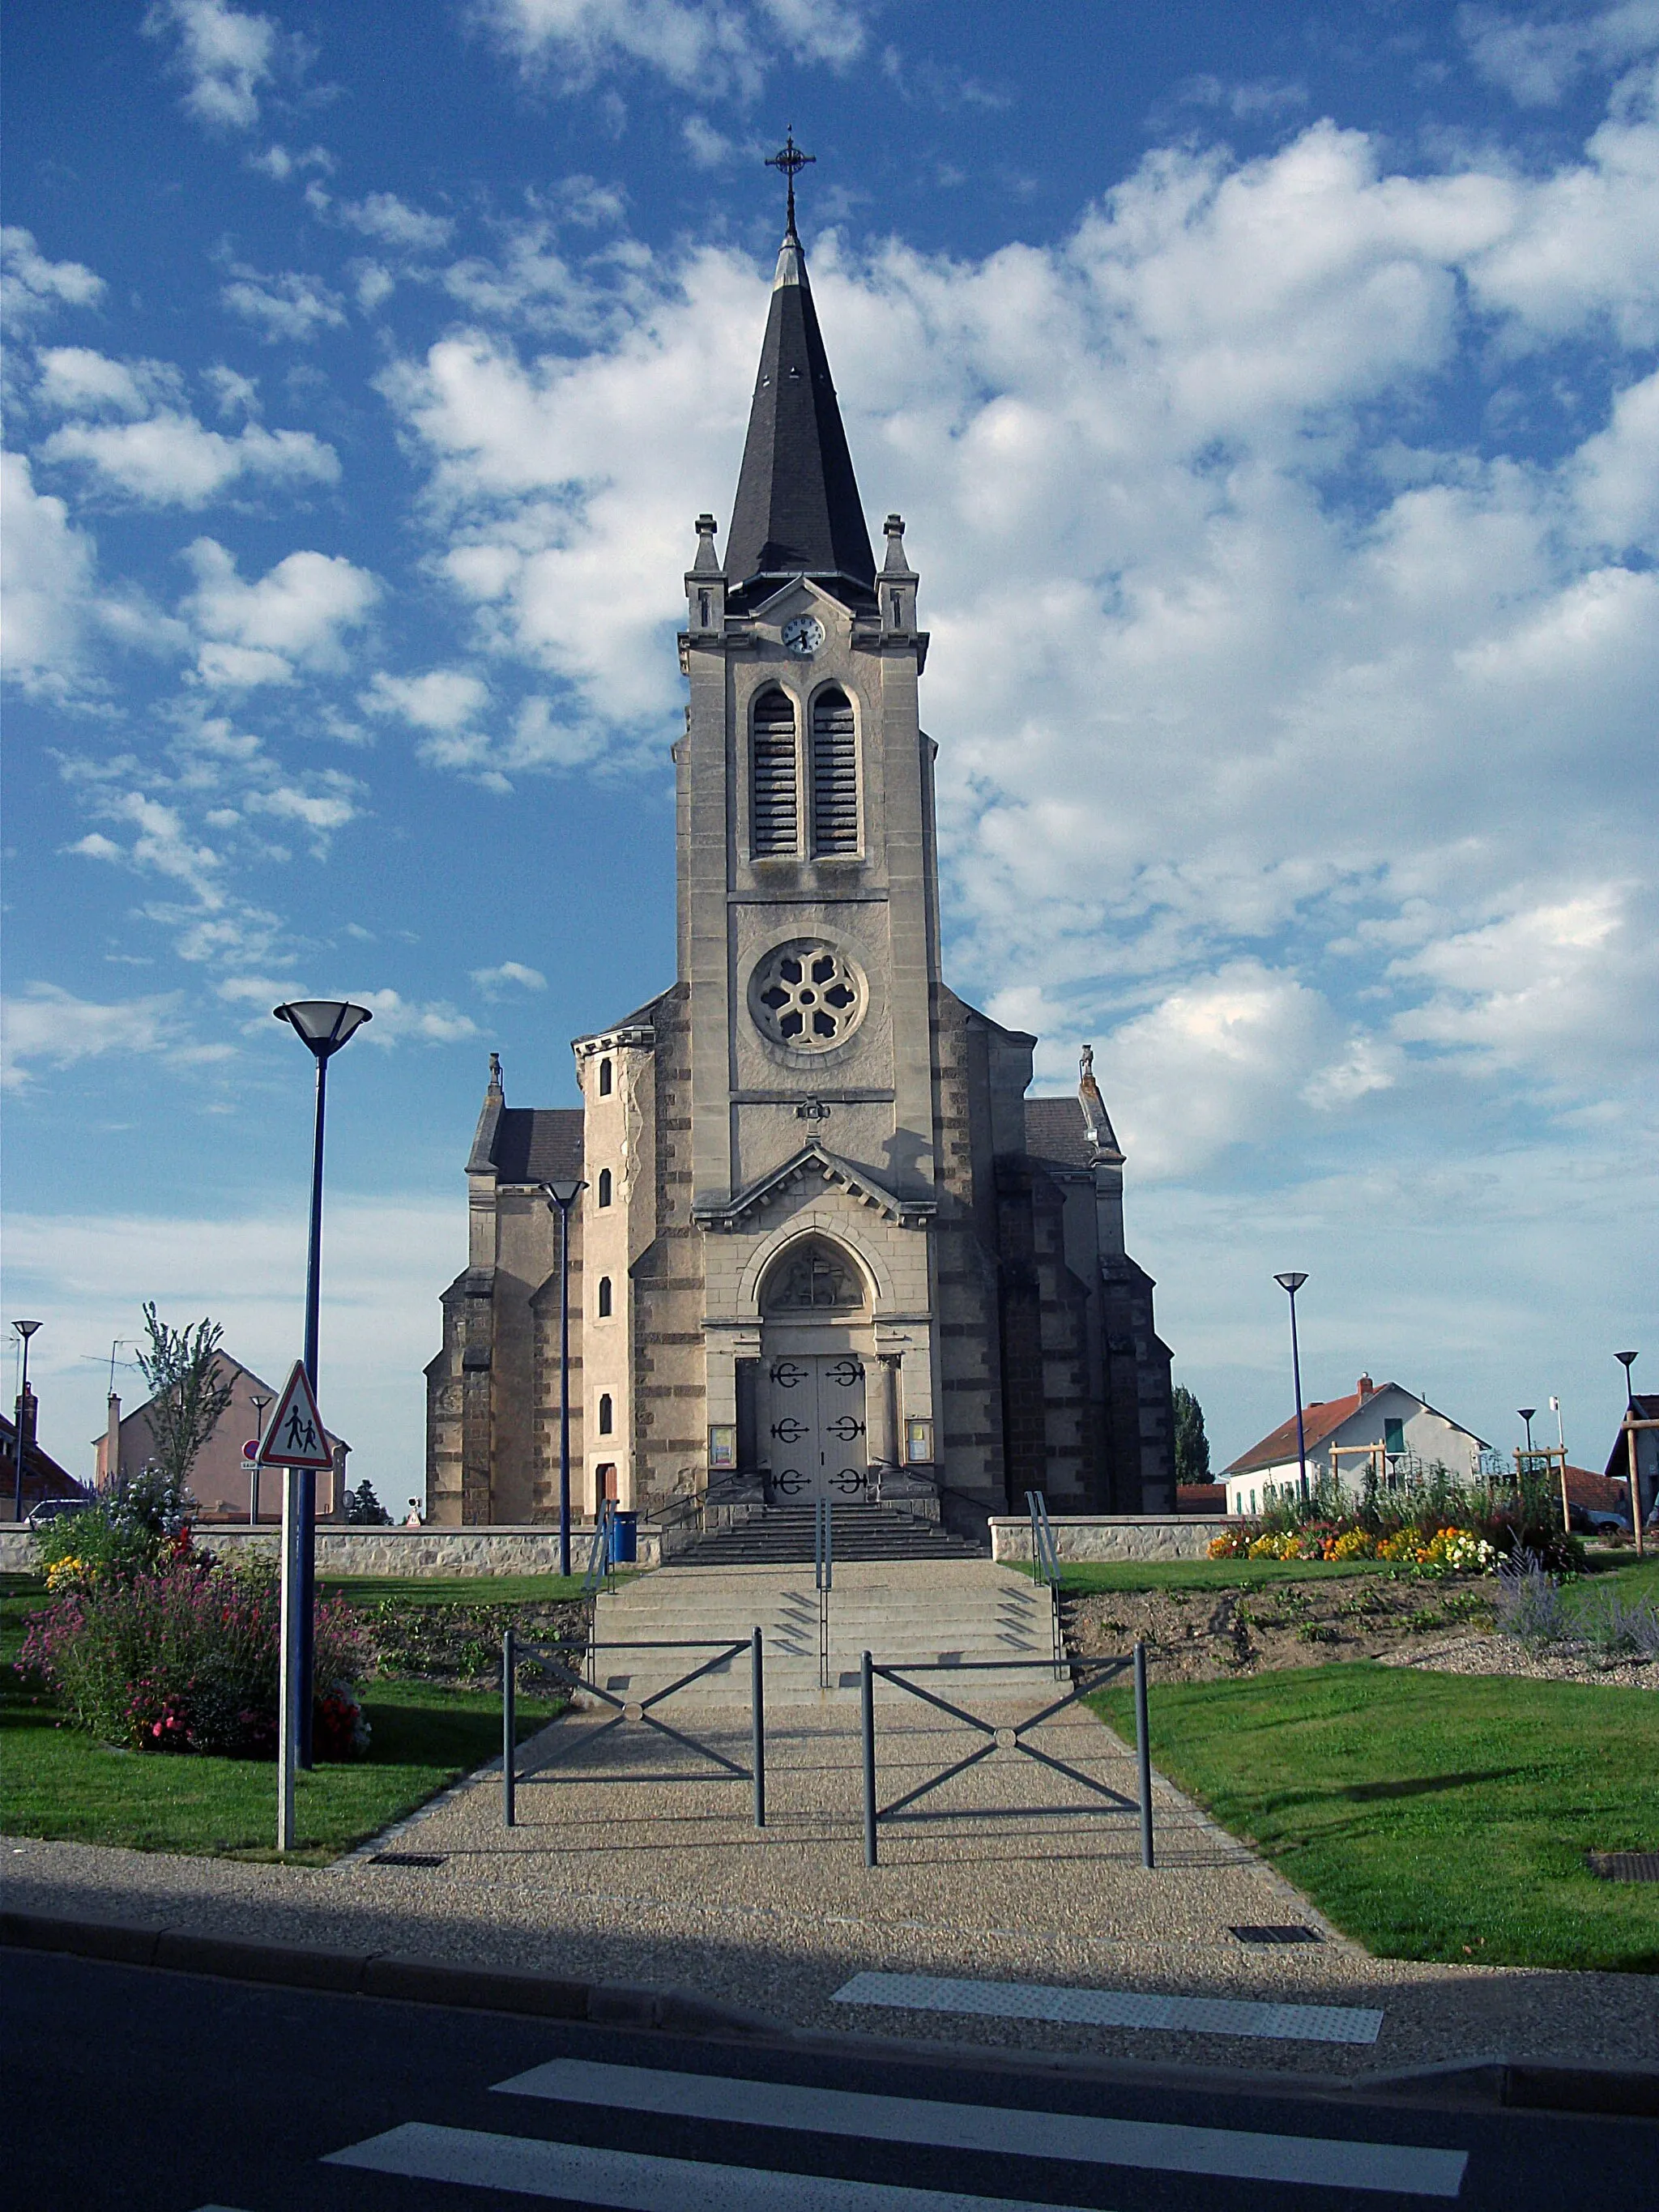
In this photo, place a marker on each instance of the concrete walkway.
(632, 1864)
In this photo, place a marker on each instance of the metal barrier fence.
(1045, 1566)
(1002, 1738)
(551, 1661)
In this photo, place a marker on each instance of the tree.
(188, 1400)
(364, 1508)
(1191, 1444)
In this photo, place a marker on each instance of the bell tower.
(808, 910)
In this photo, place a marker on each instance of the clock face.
(803, 636)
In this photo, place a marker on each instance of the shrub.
(1529, 1604)
(129, 1531)
(184, 1658)
(1616, 1630)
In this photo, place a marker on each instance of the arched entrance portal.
(815, 1332)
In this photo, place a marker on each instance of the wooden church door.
(816, 1427)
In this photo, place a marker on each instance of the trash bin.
(624, 1538)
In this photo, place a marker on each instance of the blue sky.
(1272, 397)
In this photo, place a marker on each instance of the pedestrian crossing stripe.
(1287, 2023)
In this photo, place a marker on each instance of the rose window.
(807, 996)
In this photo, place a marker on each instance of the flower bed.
(1443, 1551)
(183, 1656)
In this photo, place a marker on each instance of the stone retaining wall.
(1111, 1535)
(430, 1551)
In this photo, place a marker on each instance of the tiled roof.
(1318, 1420)
(538, 1144)
(1055, 1131)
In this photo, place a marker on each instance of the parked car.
(53, 1509)
(1591, 1520)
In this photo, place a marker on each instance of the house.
(42, 1476)
(1382, 1428)
(1647, 1460)
(221, 1478)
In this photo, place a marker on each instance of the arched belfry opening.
(817, 1343)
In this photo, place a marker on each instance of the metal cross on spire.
(790, 159)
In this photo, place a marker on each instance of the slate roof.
(538, 1144)
(1618, 1465)
(1055, 1131)
(797, 511)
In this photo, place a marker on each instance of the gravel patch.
(1502, 1654)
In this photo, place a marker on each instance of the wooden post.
(1631, 1428)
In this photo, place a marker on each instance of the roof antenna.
(790, 159)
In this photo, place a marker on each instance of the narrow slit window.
(776, 810)
(604, 1185)
(835, 774)
(605, 1078)
(606, 1415)
(604, 1297)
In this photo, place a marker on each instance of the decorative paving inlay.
(1116, 2008)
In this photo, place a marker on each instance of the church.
(824, 1244)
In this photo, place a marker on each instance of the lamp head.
(562, 1193)
(324, 1024)
(27, 1328)
(1292, 1282)
(1526, 1412)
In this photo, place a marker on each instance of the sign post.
(297, 1443)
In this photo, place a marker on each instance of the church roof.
(797, 511)
(538, 1144)
(1055, 1131)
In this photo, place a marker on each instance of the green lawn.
(55, 1782)
(1077, 1578)
(1431, 1816)
(459, 1590)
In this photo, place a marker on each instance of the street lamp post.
(563, 1195)
(322, 1025)
(25, 1330)
(1291, 1284)
(260, 1402)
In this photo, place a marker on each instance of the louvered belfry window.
(835, 774)
(776, 826)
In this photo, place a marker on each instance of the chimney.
(1365, 1387)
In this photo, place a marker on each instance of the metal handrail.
(600, 1562)
(824, 1572)
(1045, 1565)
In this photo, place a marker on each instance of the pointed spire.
(1096, 1123)
(797, 512)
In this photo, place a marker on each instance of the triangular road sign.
(296, 1436)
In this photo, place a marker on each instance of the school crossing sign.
(296, 1438)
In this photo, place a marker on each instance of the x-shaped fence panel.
(552, 1660)
(1088, 1675)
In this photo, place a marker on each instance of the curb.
(1527, 2084)
(384, 1974)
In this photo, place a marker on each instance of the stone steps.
(783, 1536)
(956, 1609)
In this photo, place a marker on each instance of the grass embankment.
(59, 1783)
(1080, 1577)
(1431, 1816)
(460, 1589)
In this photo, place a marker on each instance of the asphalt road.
(127, 2087)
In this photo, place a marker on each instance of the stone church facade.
(825, 1246)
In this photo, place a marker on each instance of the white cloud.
(227, 56)
(714, 44)
(31, 286)
(492, 982)
(49, 570)
(48, 1027)
(78, 380)
(291, 618)
(385, 216)
(444, 700)
(278, 163)
(290, 307)
(398, 1020)
(236, 394)
(1535, 58)
(171, 459)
